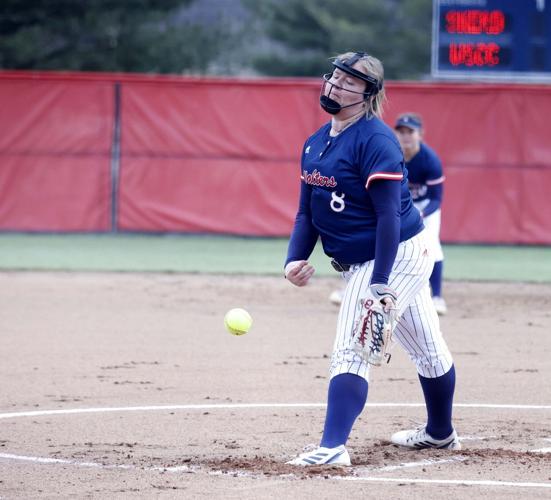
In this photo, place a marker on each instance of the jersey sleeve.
(434, 173)
(385, 197)
(381, 158)
(434, 194)
(304, 235)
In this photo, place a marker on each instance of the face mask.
(373, 86)
(330, 105)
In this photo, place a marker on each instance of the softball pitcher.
(355, 198)
(426, 184)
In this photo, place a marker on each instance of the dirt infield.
(166, 403)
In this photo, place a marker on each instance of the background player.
(426, 181)
(355, 197)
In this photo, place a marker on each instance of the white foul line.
(464, 482)
(222, 406)
(185, 468)
(238, 406)
(501, 406)
(476, 438)
(419, 463)
(48, 460)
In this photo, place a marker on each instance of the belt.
(339, 266)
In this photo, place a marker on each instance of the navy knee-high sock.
(345, 401)
(438, 394)
(436, 278)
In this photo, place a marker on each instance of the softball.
(238, 321)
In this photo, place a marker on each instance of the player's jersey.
(337, 172)
(424, 169)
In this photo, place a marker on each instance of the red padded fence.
(496, 151)
(212, 157)
(55, 142)
(85, 152)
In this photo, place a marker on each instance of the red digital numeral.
(475, 22)
(474, 54)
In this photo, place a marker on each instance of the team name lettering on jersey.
(316, 179)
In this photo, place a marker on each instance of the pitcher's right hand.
(299, 272)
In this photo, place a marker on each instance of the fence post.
(115, 157)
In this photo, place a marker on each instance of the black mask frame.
(373, 86)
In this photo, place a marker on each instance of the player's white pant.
(418, 330)
(432, 225)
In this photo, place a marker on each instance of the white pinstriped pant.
(417, 331)
(432, 227)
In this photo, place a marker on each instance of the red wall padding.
(54, 193)
(55, 141)
(496, 153)
(217, 158)
(231, 120)
(225, 196)
(221, 156)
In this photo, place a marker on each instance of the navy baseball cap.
(409, 120)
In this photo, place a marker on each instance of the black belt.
(339, 266)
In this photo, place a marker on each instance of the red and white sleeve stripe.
(384, 175)
(434, 182)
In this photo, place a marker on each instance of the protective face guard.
(326, 81)
(373, 86)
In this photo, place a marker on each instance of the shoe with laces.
(419, 438)
(440, 305)
(323, 456)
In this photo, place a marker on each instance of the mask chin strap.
(330, 105)
(373, 86)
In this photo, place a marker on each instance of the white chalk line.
(240, 406)
(462, 482)
(476, 438)
(407, 465)
(188, 469)
(184, 468)
(543, 450)
(48, 460)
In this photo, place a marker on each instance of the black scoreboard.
(497, 39)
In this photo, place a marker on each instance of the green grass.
(497, 263)
(221, 254)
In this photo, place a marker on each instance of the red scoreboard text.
(474, 22)
(503, 39)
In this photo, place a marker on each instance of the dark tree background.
(232, 37)
(310, 31)
(106, 35)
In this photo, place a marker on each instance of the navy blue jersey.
(424, 170)
(336, 175)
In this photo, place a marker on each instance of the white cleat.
(336, 297)
(418, 439)
(323, 456)
(440, 305)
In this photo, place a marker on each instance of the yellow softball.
(238, 321)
